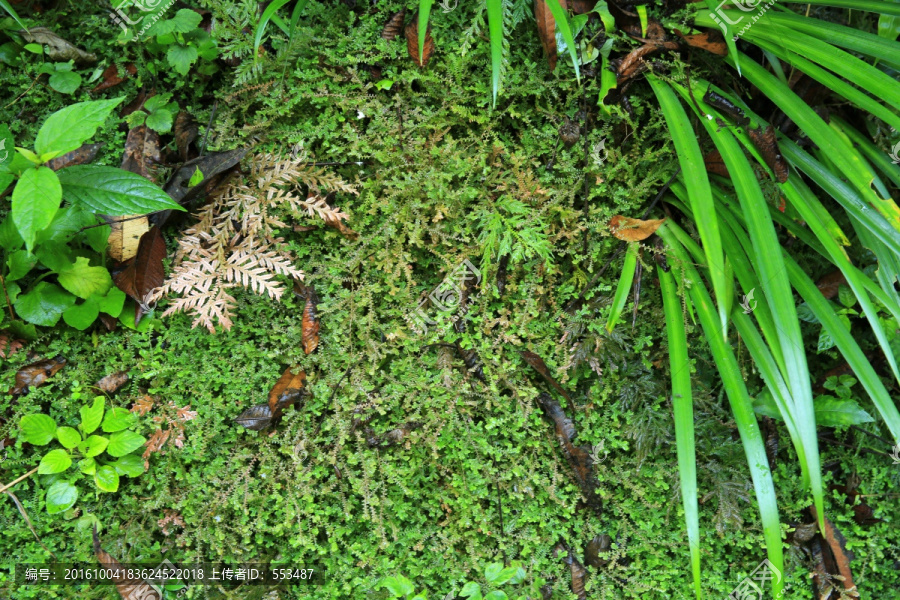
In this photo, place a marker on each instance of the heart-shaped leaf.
(38, 429)
(55, 461)
(61, 496)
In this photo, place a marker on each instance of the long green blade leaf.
(562, 21)
(9, 9)
(625, 281)
(495, 28)
(424, 13)
(264, 19)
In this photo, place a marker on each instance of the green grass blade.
(495, 28)
(696, 181)
(876, 155)
(841, 35)
(846, 344)
(683, 410)
(264, 19)
(9, 9)
(741, 406)
(424, 13)
(714, 16)
(295, 16)
(625, 281)
(875, 6)
(562, 21)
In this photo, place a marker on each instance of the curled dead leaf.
(767, 145)
(79, 156)
(255, 418)
(9, 344)
(310, 324)
(287, 390)
(394, 25)
(113, 382)
(36, 374)
(633, 230)
(56, 48)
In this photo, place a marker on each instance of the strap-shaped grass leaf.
(877, 6)
(424, 13)
(264, 19)
(875, 154)
(741, 406)
(683, 411)
(625, 281)
(729, 32)
(5, 5)
(562, 21)
(697, 183)
(495, 29)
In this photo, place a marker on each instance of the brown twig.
(6, 293)
(22, 478)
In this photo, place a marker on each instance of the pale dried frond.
(233, 242)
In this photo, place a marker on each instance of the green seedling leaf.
(91, 416)
(471, 590)
(124, 442)
(130, 465)
(93, 446)
(68, 437)
(65, 82)
(496, 595)
(38, 429)
(88, 466)
(61, 496)
(112, 302)
(182, 57)
(35, 200)
(834, 412)
(398, 585)
(44, 304)
(84, 280)
(66, 129)
(112, 191)
(107, 479)
(117, 419)
(55, 461)
(196, 178)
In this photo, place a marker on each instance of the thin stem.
(22, 478)
(6, 293)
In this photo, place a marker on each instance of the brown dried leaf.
(711, 41)
(125, 236)
(171, 519)
(9, 345)
(412, 42)
(842, 557)
(576, 569)
(113, 383)
(256, 417)
(394, 25)
(141, 152)
(724, 105)
(715, 164)
(633, 230)
(145, 271)
(341, 227)
(36, 374)
(186, 131)
(569, 132)
(830, 284)
(111, 77)
(79, 156)
(109, 322)
(767, 145)
(580, 7)
(310, 316)
(143, 405)
(129, 589)
(770, 434)
(136, 104)
(600, 543)
(633, 63)
(56, 48)
(546, 25)
(287, 390)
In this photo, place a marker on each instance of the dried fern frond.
(233, 242)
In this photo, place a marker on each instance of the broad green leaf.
(55, 461)
(35, 200)
(56, 256)
(496, 595)
(112, 191)
(160, 120)
(93, 446)
(92, 415)
(112, 302)
(182, 57)
(186, 20)
(124, 442)
(88, 465)
(834, 412)
(131, 465)
(66, 129)
(846, 296)
(61, 496)
(117, 419)
(38, 429)
(44, 304)
(84, 280)
(65, 82)
(492, 571)
(505, 575)
(624, 287)
(107, 479)
(81, 316)
(20, 263)
(398, 585)
(471, 590)
(9, 236)
(68, 437)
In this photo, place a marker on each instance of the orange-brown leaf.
(145, 271)
(830, 283)
(287, 390)
(546, 25)
(540, 366)
(711, 41)
(141, 151)
(394, 25)
(310, 325)
(715, 164)
(113, 382)
(412, 42)
(79, 156)
(633, 230)
(9, 345)
(111, 77)
(767, 145)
